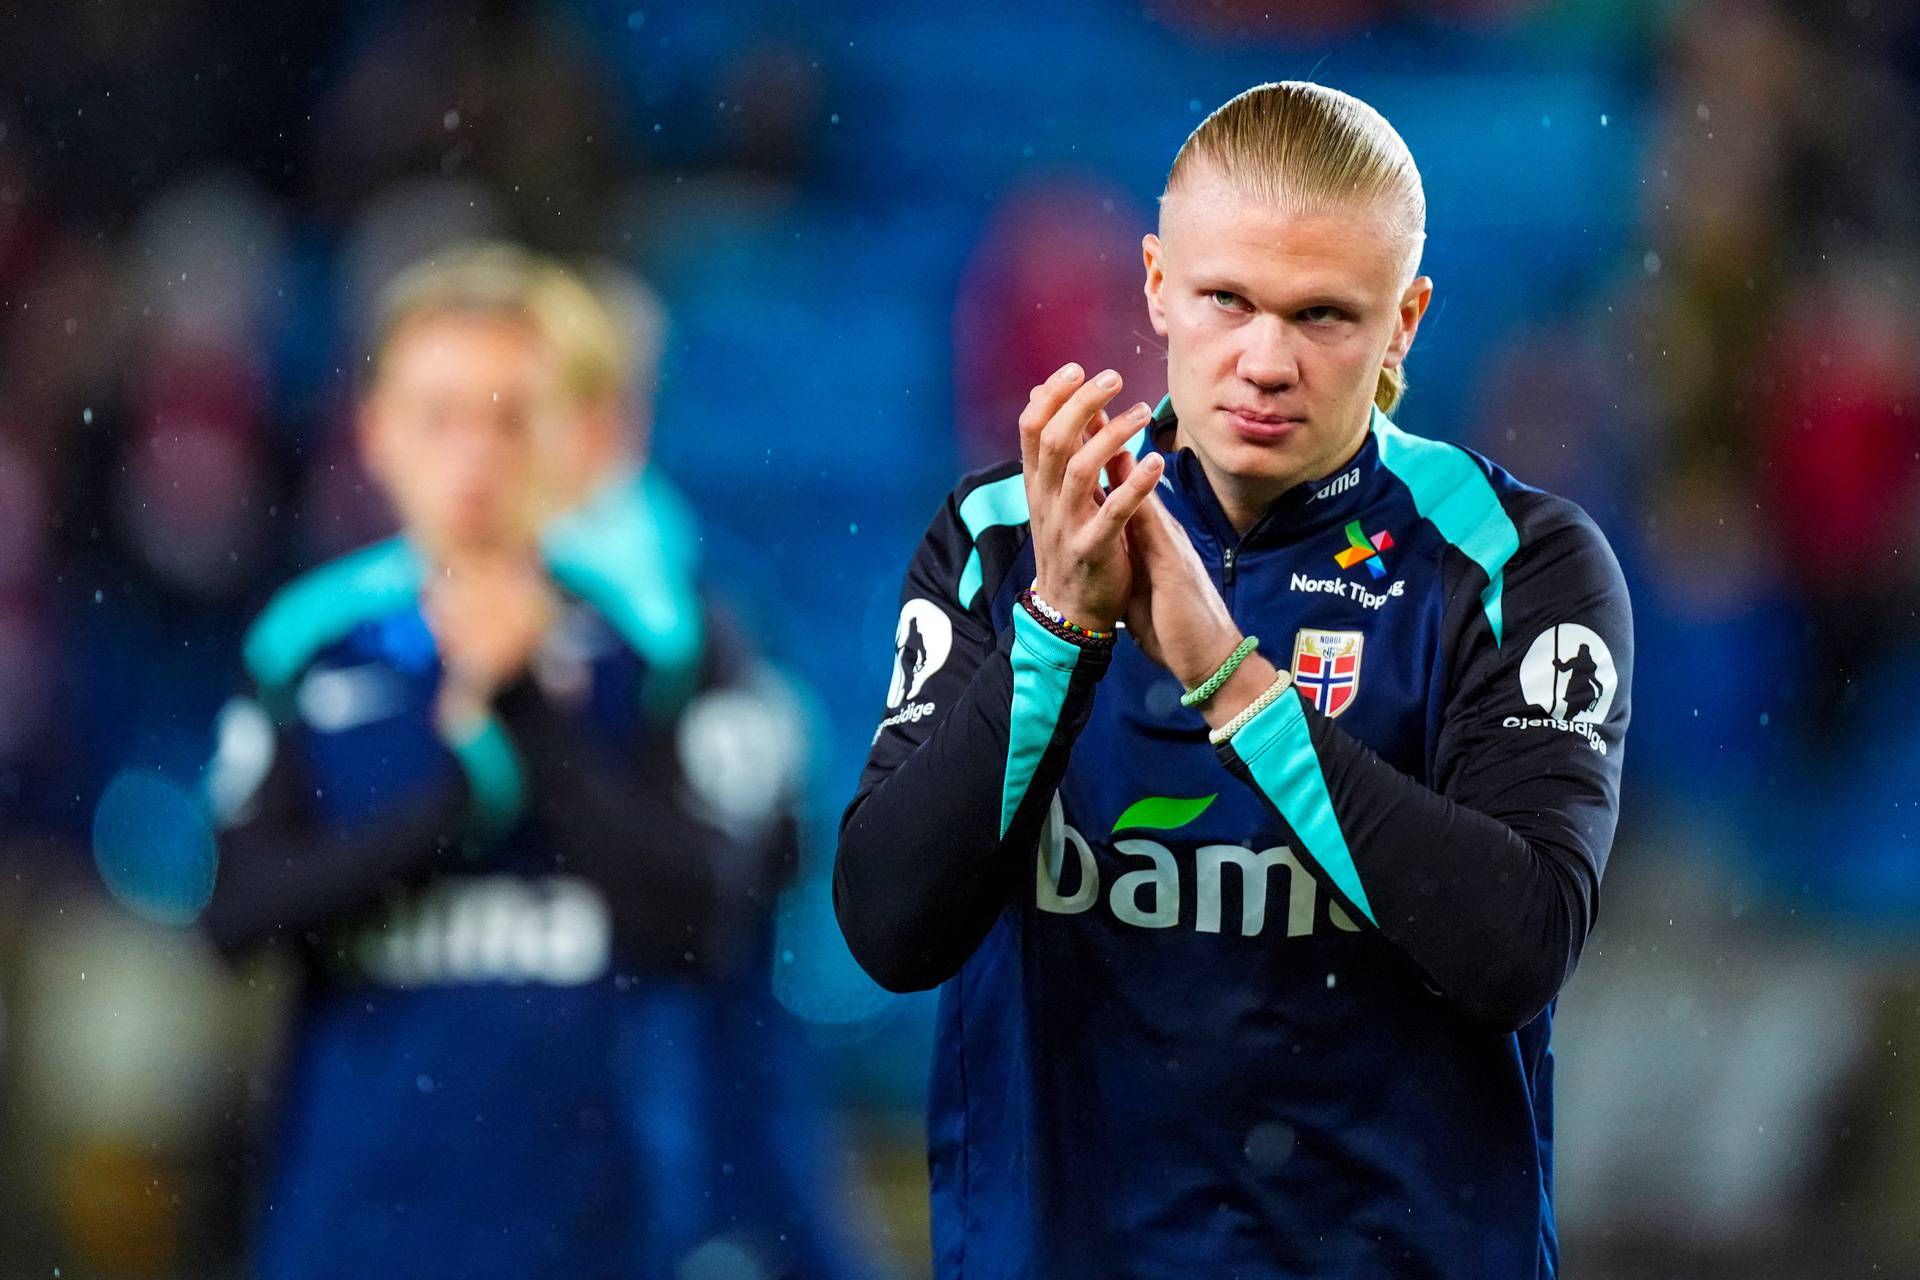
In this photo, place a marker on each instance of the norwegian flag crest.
(1326, 667)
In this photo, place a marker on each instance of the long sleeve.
(977, 733)
(1488, 881)
(280, 874)
(619, 819)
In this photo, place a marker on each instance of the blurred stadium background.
(1674, 243)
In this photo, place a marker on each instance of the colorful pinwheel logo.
(1364, 550)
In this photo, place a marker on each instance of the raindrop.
(720, 1259)
(153, 847)
(1269, 1145)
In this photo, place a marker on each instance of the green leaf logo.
(1163, 813)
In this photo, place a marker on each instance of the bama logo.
(554, 931)
(1150, 895)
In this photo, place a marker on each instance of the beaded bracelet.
(1211, 685)
(1057, 623)
(1268, 696)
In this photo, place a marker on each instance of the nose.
(1267, 358)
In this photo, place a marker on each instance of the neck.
(452, 556)
(1244, 499)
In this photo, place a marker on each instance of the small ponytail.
(1391, 389)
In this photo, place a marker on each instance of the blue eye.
(1226, 299)
(1323, 315)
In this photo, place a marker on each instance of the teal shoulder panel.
(629, 553)
(1277, 749)
(1042, 667)
(1002, 502)
(323, 605)
(679, 531)
(1452, 493)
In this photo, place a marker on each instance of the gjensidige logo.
(1568, 675)
(921, 644)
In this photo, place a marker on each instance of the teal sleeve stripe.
(626, 552)
(1002, 502)
(1042, 667)
(494, 777)
(1452, 492)
(323, 606)
(1277, 749)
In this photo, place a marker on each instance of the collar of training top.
(1329, 499)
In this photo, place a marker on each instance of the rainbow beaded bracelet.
(1057, 623)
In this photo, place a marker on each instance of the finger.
(1043, 402)
(1067, 427)
(1119, 467)
(1082, 479)
(1162, 541)
(1147, 529)
(1125, 500)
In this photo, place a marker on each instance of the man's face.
(460, 430)
(1277, 327)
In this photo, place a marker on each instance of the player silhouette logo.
(1568, 674)
(921, 643)
(913, 655)
(1583, 684)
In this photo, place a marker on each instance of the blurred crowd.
(1673, 242)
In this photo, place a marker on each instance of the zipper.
(1226, 568)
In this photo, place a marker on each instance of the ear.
(1153, 253)
(1413, 305)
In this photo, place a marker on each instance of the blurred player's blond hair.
(1308, 148)
(494, 278)
(607, 337)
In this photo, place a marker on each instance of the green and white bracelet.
(1268, 696)
(1211, 685)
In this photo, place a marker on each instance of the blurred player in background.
(736, 1133)
(458, 791)
(1250, 920)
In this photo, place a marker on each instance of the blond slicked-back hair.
(1307, 148)
(498, 279)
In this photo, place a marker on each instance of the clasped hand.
(489, 614)
(1101, 556)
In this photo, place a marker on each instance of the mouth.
(1259, 426)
